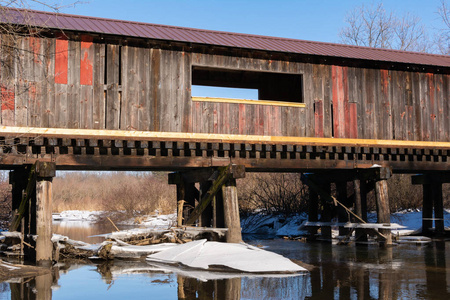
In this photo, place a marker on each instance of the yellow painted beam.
(247, 101)
(17, 132)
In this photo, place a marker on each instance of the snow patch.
(77, 215)
(206, 255)
(273, 225)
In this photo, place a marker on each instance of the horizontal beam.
(248, 101)
(16, 132)
(443, 177)
(164, 163)
(204, 174)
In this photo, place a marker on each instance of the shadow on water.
(339, 272)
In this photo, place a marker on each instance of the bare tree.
(373, 26)
(443, 35)
(23, 50)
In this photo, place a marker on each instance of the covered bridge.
(84, 93)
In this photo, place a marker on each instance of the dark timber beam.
(432, 203)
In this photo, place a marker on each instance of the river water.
(340, 272)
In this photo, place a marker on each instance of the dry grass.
(132, 193)
(273, 193)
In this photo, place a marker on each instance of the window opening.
(248, 85)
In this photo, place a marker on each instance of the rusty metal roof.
(220, 38)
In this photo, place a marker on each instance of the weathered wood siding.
(83, 84)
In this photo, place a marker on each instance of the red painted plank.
(353, 121)
(345, 100)
(35, 46)
(87, 58)
(335, 101)
(61, 60)
(338, 101)
(8, 99)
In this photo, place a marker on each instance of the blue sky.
(301, 19)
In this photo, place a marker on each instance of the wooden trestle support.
(207, 167)
(348, 209)
(215, 203)
(32, 210)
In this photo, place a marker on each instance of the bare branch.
(373, 26)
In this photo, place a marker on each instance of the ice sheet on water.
(206, 255)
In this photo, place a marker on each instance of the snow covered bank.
(156, 221)
(212, 256)
(77, 215)
(273, 225)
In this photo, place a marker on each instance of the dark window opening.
(259, 85)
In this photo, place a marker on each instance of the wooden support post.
(427, 209)
(313, 212)
(207, 214)
(218, 217)
(343, 217)
(191, 193)
(231, 211)
(44, 246)
(438, 208)
(181, 195)
(383, 212)
(18, 179)
(360, 206)
(326, 213)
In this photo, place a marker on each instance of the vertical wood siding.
(83, 84)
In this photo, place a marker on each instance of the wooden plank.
(98, 110)
(186, 80)
(49, 69)
(144, 111)
(361, 102)
(318, 115)
(73, 88)
(346, 102)
(129, 81)
(61, 59)
(327, 98)
(318, 101)
(432, 106)
(242, 119)
(336, 87)
(385, 107)
(155, 77)
(442, 109)
(7, 76)
(34, 74)
(113, 105)
(424, 106)
(309, 101)
(87, 58)
(369, 105)
(417, 106)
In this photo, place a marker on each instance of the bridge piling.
(217, 201)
